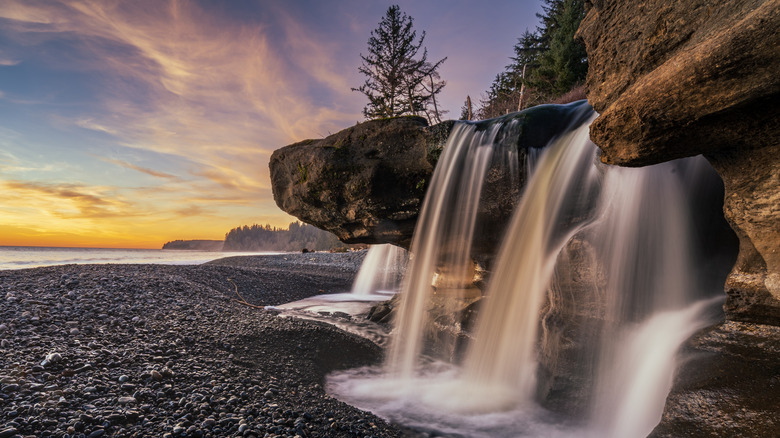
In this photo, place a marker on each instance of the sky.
(128, 124)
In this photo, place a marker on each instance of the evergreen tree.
(266, 238)
(398, 81)
(563, 63)
(429, 86)
(547, 63)
(549, 18)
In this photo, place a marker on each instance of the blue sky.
(131, 123)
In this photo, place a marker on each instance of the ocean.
(21, 257)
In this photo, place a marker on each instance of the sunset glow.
(129, 124)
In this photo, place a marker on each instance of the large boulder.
(676, 79)
(365, 184)
(682, 78)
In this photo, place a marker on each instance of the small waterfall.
(609, 248)
(502, 358)
(634, 383)
(381, 271)
(378, 278)
(443, 237)
(654, 301)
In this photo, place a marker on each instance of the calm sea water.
(20, 257)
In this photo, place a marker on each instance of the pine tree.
(429, 86)
(563, 62)
(552, 10)
(547, 63)
(396, 78)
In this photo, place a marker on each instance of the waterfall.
(442, 241)
(593, 291)
(502, 358)
(653, 299)
(636, 378)
(380, 271)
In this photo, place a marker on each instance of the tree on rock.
(398, 81)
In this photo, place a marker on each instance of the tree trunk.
(433, 97)
(522, 91)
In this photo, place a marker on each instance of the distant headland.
(295, 237)
(195, 245)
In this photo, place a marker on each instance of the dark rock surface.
(728, 385)
(364, 184)
(152, 350)
(675, 79)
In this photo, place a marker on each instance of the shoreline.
(15, 257)
(166, 350)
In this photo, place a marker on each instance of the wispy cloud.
(73, 200)
(145, 170)
(10, 164)
(88, 123)
(213, 93)
(205, 79)
(191, 210)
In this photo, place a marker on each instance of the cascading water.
(443, 237)
(628, 231)
(635, 379)
(381, 271)
(378, 278)
(654, 301)
(501, 360)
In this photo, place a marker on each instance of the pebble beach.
(171, 351)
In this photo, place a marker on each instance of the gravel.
(168, 351)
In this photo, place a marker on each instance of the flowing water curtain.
(500, 364)
(381, 270)
(653, 293)
(442, 243)
(623, 231)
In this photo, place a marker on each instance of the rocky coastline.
(169, 351)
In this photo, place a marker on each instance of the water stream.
(378, 279)
(444, 235)
(592, 293)
(381, 271)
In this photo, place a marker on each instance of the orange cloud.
(71, 200)
(132, 166)
(214, 95)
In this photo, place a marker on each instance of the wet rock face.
(365, 184)
(658, 66)
(709, 398)
(676, 79)
(752, 207)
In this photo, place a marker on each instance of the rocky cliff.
(676, 79)
(365, 184)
